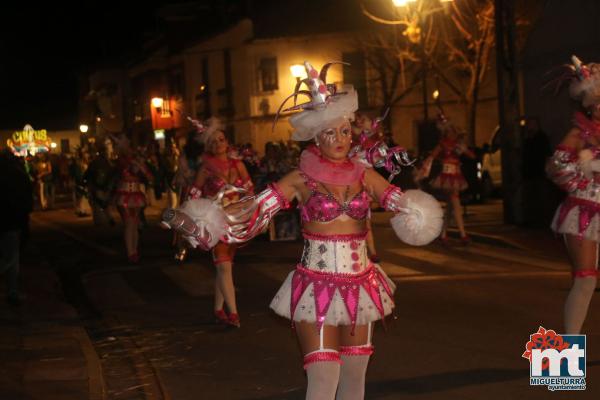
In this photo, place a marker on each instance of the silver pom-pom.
(209, 217)
(420, 218)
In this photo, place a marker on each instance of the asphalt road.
(462, 319)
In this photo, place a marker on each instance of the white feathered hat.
(206, 129)
(327, 105)
(586, 86)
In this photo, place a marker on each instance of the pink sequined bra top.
(448, 153)
(324, 207)
(214, 182)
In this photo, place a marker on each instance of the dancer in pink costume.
(575, 168)
(451, 180)
(129, 197)
(335, 294)
(220, 173)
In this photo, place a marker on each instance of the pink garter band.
(356, 350)
(585, 273)
(321, 356)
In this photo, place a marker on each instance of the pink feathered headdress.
(205, 130)
(585, 86)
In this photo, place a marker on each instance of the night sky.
(45, 48)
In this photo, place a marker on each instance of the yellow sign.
(28, 135)
(29, 141)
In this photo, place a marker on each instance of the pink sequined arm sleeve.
(265, 204)
(390, 199)
(564, 169)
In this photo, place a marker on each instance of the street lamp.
(157, 102)
(298, 71)
(413, 32)
(83, 128)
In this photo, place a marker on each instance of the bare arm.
(376, 184)
(435, 152)
(245, 176)
(469, 153)
(573, 139)
(200, 178)
(249, 217)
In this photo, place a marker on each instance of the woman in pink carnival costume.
(223, 177)
(451, 180)
(575, 168)
(129, 195)
(335, 294)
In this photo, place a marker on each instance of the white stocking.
(323, 379)
(352, 377)
(577, 303)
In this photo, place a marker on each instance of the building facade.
(242, 78)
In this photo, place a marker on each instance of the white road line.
(401, 274)
(280, 273)
(513, 256)
(96, 246)
(273, 271)
(480, 276)
(397, 270)
(447, 260)
(190, 278)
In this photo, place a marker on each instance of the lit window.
(165, 110)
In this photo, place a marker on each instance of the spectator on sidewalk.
(16, 205)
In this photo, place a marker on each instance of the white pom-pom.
(209, 216)
(420, 220)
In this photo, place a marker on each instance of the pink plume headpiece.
(121, 143)
(376, 153)
(585, 86)
(205, 130)
(442, 122)
(326, 104)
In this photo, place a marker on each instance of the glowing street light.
(83, 128)
(435, 94)
(157, 102)
(53, 145)
(298, 71)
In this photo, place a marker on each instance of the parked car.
(491, 166)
